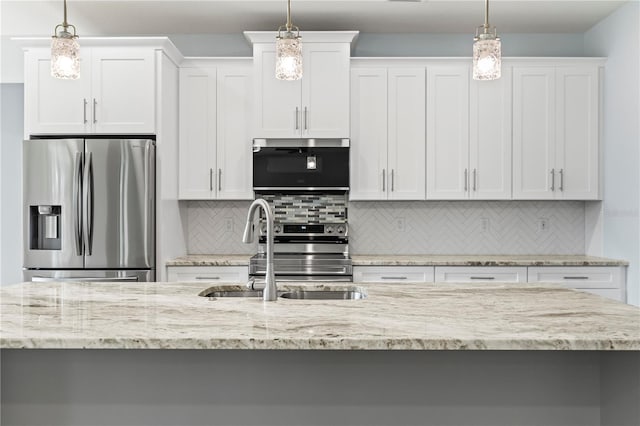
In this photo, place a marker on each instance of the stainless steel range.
(306, 252)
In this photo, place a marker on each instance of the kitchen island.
(435, 353)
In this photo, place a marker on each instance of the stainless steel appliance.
(306, 252)
(300, 164)
(89, 209)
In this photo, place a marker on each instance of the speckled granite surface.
(392, 317)
(420, 260)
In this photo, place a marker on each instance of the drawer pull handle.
(482, 278)
(207, 278)
(394, 278)
(575, 278)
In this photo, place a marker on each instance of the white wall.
(617, 37)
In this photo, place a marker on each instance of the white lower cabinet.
(208, 274)
(607, 281)
(403, 274)
(468, 274)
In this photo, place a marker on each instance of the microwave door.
(119, 203)
(52, 210)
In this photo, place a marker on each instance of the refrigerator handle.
(77, 202)
(148, 198)
(37, 279)
(87, 195)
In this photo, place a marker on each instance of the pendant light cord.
(288, 15)
(65, 25)
(486, 16)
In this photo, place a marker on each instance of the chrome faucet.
(270, 289)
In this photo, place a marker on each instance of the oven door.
(301, 165)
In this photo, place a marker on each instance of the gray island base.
(430, 354)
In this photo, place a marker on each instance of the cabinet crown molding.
(307, 36)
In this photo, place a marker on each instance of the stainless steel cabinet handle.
(95, 118)
(466, 180)
(575, 278)
(553, 179)
(561, 180)
(306, 122)
(392, 180)
(84, 115)
(475, 175)
(207, 278)
(393, 278)
(384, 179)
(297, 124)
(210, 179)
(219, 179)
(77, 202)
(482, 278)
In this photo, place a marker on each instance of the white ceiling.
(164, 17)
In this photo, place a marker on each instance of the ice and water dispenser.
(44, 227)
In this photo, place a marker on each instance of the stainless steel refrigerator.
(89, 209)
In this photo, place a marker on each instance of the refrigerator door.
(119, 203)
(37, 275)
(52, 209)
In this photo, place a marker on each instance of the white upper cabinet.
(115, 93)
(490, 138)
(448, 132)
(316, 106)
(555, 132)
(215, 145)
(387, 133)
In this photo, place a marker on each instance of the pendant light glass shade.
(65, 51)
(288, 51)
(487, 51)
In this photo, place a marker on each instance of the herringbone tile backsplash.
(417, 227)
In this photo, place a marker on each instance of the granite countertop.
(419, 260)
(432, 316)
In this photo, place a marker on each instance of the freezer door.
(52, 209)
(36, 275)
(119, 203)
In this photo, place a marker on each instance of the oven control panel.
(307, 230)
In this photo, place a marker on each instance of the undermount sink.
(321, 293)
(324, 294)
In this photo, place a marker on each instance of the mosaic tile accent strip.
(416, 227)
(307, 208)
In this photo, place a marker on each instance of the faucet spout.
(270, 290)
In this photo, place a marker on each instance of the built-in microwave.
(301, 164)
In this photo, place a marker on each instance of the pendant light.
(487, 54)
(288, 51)
(65, 51)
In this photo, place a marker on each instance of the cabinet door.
(233, 149)
(406, 134)
(197, 133)
(325, 90)
(277, 112)
(533, 133)
(368, 134)
(577, 133)
(448, 132)
(490, 138)
(53, 105)
(608, 281)
(123, 90)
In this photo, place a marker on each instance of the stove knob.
(329, 229)
(277, 229)
(341, 229)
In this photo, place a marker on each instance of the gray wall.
(616, 37)
(11, 126)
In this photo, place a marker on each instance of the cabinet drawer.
(402, 274)
(577, 276)
(467, 274)
(228, 274)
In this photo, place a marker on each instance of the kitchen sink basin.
(321, 293)
(324, 294)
